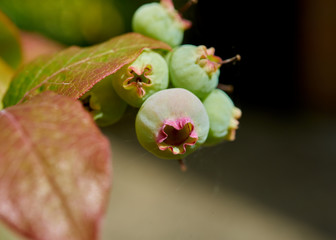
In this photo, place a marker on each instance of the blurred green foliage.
(7, 234)
(74, 22)
(10, 53)
(6, 74)
(80, 22)
(10, 47)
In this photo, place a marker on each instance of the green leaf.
(73, 71)
(55, 172)
(10, 46)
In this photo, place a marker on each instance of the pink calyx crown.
(207, 60)
(139, 79)
(234, 123)
(176, 135)
(169, 6)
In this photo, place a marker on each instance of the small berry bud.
(223, 117)
(103, 103)
(194, 68)
(160, 21)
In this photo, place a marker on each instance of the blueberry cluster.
(180, 106)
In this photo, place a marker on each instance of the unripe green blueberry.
(103, 103)
(172, 123)
(195, 68)
(223, 117)
(160, 21)
(137, 81)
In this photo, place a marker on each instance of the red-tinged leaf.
(55, 173)
(73, 71)
(35, 45)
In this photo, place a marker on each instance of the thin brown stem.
(233, 59)
(182, 164)
(226, 87)
(186, 6)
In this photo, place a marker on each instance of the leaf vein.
(42, 162)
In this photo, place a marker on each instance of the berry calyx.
(168, 5)
(176, 135)
(210, 62)
(135, 82)
(233, 126)
(207, 60)
(139, 78)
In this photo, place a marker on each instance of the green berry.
(195, 68)
(223, 117)
(172, 123)
(137, 81)
(160, 21)
(103, 103)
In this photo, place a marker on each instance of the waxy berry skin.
(172, 123)
(160, 21)
(223, 117)
(194, 68)
(135, 82)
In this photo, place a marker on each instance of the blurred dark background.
(284, 156)
(285, 84)
(287, 48)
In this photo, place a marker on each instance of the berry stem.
(225, 87)
(182, 164)
(233, 59)
(186, 6)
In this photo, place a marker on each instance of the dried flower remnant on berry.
(207, 60)
(176, 15)
(234, 123)
(139, 79)
(135, 82)
(176, 135)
